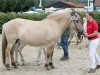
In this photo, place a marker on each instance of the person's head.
(89, 16)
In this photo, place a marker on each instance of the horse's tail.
(4, 46)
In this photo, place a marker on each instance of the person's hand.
(86, 35)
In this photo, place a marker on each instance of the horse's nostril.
(80, 32)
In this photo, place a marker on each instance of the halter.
(75, 19)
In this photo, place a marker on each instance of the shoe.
(97, 67)
(91, 71)
(64, 58)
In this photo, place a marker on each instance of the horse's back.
(28, 30)
(11, 29)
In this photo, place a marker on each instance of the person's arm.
(91, 35)
(95, 29)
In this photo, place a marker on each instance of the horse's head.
(62, 17)
(78, 21)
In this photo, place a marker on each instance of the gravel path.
(78, 64)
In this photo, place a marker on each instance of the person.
(64, 44)
(93, 38)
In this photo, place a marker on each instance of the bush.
(6, 17)
(9, 16)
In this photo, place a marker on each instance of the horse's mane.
(58, 12)
(64, 11)
(80, 17)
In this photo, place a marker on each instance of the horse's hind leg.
(12, 54)
(7, 54)
(20, 53)
(18, 49)
(69, 41)
(12, 57)
(16, 57)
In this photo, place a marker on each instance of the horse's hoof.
(51, 65)
(13, 63)
(80, 48)
(47, 67)
(18, 64)
(15, 66)
(38, 64)
(8, 67)
(23, 64)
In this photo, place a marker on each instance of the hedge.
(5, 17)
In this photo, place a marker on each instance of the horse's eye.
(77, 21)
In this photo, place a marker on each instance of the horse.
(79, 38)
(43, 48)
(72, 34)
(37, 33)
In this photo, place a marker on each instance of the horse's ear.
(72, 13)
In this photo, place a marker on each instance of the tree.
(23, 5)
(15, 5)
(2, 5)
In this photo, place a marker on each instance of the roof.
(75, 5)
(97, 2)
(66, 4)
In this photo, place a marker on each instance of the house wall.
(60, 5)
(77, 9)
(98, 8)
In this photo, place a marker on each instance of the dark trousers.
(64, 44)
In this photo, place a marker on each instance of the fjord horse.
(37, 33)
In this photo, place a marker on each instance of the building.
(97, 4)
(70, 5)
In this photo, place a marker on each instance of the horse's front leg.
(39, 54)
(14, 49)
(21, 56)
(45, 52)
(70, 39)
(16, 57)
(51, 63)
(19, 47)
(49, 57)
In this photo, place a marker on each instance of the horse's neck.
(63, 22)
